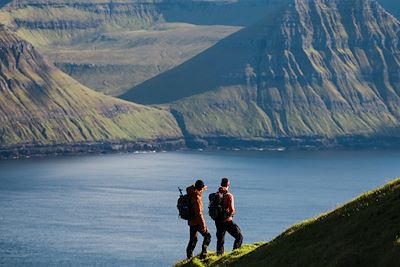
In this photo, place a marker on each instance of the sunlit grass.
(214, 260)
(364, 232)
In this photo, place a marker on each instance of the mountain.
(363, 232)
(40, 105)
(111, 46)
(318, 71)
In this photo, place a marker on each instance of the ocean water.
(120, 210)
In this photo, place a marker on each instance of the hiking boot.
(189, 256)
(203, 256)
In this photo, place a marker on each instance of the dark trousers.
(233, 229)
(193, 240)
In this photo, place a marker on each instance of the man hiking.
(227, 224)
(197, 222)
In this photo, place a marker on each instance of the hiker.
(197, 222)
(226, 224)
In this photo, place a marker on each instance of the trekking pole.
(180, 190)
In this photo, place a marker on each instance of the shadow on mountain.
(223, 65)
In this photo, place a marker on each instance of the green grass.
(306, 89)
(234, 112)
(214, 260)
(41, 105)
(365, 232)
(226, 112)
(96, 43)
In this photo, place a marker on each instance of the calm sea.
(120, 210)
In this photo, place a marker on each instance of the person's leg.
(234, 230)
(220, 237)
(192, 242)
(206, 241)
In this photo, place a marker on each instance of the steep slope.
(363, 232)
(113, 62)
(320, 70)
(90, 40)
(41, 105)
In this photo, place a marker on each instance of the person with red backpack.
(225, 223)
(196, 221)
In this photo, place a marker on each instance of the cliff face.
(200, 12)
(331, 57)
(320, 68)
(90, 40)
(88, 15)
(41, 105)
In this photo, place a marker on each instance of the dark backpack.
(215, 208)
(184, 206)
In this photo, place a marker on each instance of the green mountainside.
(311, 73)
(319, 70)
(364, 232)
(111, 46)
(41, 105)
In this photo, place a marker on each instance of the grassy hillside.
(316, 70)
(90, 40)
(112, 46)
(113, 62)
(364, 232)
(39, 104)
(109, 46)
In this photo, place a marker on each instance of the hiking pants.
(193, 240)
(233, 229)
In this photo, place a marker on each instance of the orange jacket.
(228, 203)
(196, 207)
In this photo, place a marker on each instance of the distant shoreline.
(209, 144)
(87, 148)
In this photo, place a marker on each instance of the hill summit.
(317, 69)
(41, 105)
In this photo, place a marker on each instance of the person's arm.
(231, 208)
(199, 204)
(196, 206)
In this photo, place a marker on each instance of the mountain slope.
(320, 69)
(363, 232)
(41, 105)
(90, 40)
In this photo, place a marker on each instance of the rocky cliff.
(90, 40)
(319, 69)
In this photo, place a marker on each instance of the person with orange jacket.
(197, 222)
(227, 224)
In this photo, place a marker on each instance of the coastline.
(197, 143)
(87, 148)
